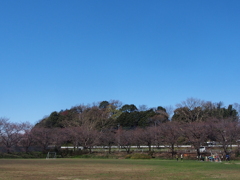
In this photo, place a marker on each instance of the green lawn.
(88, 169)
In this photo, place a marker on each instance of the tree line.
(170, 134)
(111, 114)
(110, 123)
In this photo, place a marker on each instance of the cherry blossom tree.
(43, 137)
(107, 138)
(147, 137)
(196, 134)
(10, 133)
(127, 139)
(169, 134)
(27, 139)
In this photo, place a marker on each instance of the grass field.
(122, 169)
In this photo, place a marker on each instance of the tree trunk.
(8, 150)
(149, 147)
(172, 149)
(198, 153)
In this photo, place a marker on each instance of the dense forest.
(112, 114)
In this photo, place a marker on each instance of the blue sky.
(57, 54)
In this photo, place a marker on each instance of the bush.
(82, 156)
(150, 153)
(5, 155)
(138, 156)
(128, 156)
(23, 155)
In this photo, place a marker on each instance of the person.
(181, 157)
(227, 157)
(176, 157)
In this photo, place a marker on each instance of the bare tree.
(43, 137)
(196, 134)
(226, 133)
(142, 108)
(191, 103)
(87, 137)
(137, 137)
(116, 104)
(127, 139)
(236, 106)
(107, 138)
(161, 116)
(58, 138)
(94, 117)
(169, 111)
(147, 137)
(189, 111)
(10, 133)
(169, 135)
(27, 139)
(71, 135)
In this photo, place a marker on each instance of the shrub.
(138, 156)
(23, 155)
(82, 156)
(6, 155)
(128, 156)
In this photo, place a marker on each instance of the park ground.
(103, 169)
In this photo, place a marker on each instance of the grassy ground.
(92, 169)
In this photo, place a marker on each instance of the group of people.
(181, 157)
(212, 158)
(217, 158)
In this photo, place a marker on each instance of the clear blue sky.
(57, 54)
